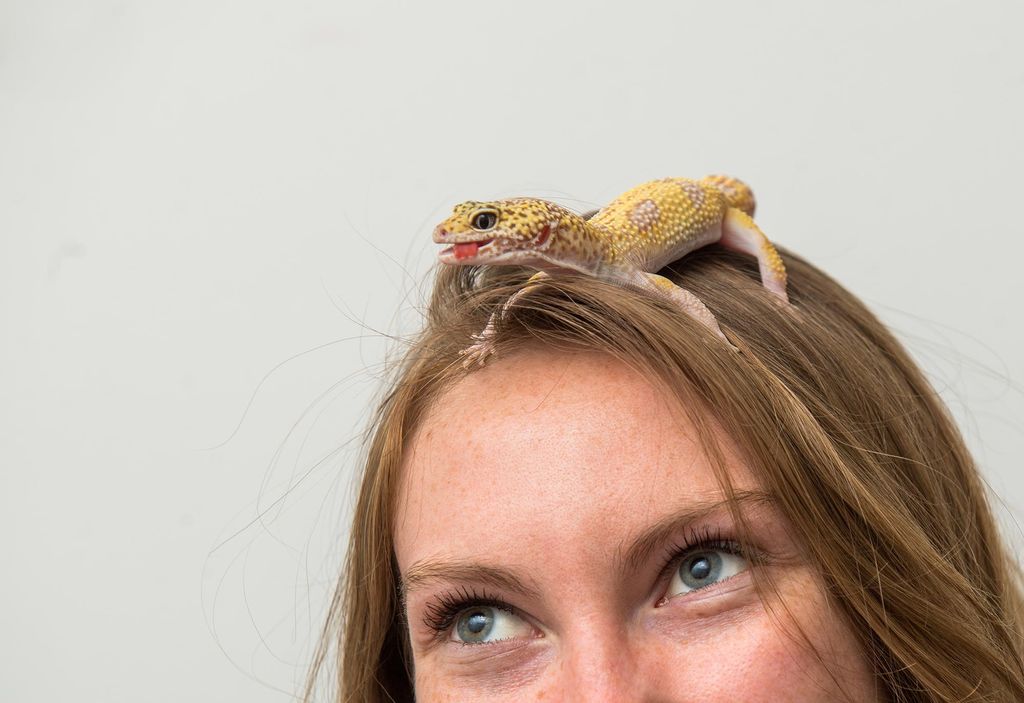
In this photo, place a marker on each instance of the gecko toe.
(476, 353)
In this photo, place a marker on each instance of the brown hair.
(830, 413)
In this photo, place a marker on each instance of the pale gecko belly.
(656, 258)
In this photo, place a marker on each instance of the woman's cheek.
(755, 656)
(506, 676)
(739, 658)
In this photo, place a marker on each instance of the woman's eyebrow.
(629, 560)
(460, 571)
(632, 558)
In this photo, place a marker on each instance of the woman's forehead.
(547, 442)
(552, 392)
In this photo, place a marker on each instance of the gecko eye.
(484, 220)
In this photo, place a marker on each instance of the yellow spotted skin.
(635, 235)
(736, 192)
(657, 222)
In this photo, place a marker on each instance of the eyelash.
(440, 614)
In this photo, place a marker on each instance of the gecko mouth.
(466, 250)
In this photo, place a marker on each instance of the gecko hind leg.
(740, 233)
(690, 303)
(483, 342)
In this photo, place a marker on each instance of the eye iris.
(700, 570)
(475, 625)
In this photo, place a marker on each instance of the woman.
(622, 507)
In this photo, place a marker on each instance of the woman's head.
(621, 500)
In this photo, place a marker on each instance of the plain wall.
(213, 214)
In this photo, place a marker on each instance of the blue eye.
(700, 569)
(484, 623)
(475, 625)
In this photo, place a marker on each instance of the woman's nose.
(601, 669)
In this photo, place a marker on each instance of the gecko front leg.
(483, 342)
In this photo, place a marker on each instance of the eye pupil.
(700, 568)
(485, 220)
(475, 625)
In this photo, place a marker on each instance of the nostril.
(442, 232)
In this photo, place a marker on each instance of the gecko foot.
(477, 352)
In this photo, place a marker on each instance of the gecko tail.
(736, 192)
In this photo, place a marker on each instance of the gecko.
(626, 242)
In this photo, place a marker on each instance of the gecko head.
(500, 231)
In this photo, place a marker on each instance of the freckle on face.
(545, 464)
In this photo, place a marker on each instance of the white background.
(193, 192)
